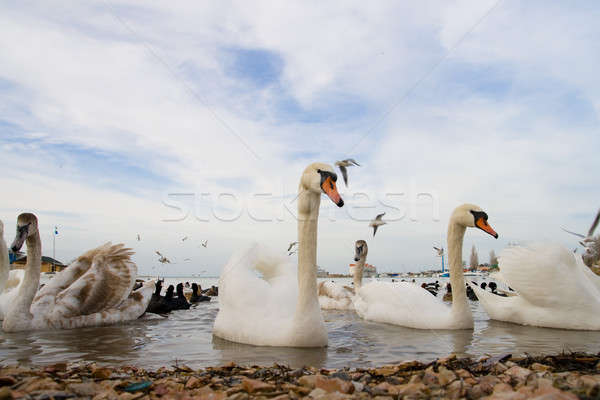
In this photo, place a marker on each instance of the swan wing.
(257, 297)
(334, 290)
(132, 308)
(105, 285)
(45, 298)
(401, 303)
(15, 277)
(334, 296)
(595, 279)
(9, 294)
(547, 275)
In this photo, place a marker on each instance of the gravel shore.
(560, 376)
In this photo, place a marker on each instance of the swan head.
(360, 250)
(472, 216)
(27, 226)
(321, 178)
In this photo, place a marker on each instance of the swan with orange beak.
(328, 185)
(264, 300)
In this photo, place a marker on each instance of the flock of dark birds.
(175, 298)
(434, 288)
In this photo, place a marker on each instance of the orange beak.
(484, 226)
(330, 190)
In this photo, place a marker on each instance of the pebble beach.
(557, 376)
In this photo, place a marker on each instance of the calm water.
(185, 337)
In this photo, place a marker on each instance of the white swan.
(279, 309)
(407, 304)
(9, 280)
(94, 290)
(334, 296)
(555, 289)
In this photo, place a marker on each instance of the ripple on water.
(185, 337)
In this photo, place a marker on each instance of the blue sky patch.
(258, 67)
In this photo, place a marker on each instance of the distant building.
(369, 271)
(49, 264)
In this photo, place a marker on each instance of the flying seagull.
(292, 244)
(440, 251)
(348, 162)
(139, 237)
(184, 239)
(162, 259)
(590, 242)
(205, 243)
(376, 223)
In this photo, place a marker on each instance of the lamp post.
(442, 263)
(440, 253)
(54, 248)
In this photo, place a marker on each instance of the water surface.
(185, 337)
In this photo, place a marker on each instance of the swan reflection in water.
(246, 354)
(115, 344)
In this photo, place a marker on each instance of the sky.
(196, 119)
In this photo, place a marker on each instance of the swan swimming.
(9, 280)
(279, 309)
(407, 304)
(334, 296)
(555, 289)
(94, 290)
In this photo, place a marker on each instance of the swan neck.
(308, 215)
(4, 265)
(31, 281)
(358, 273)
(456, 234)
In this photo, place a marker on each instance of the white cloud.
(508, 120)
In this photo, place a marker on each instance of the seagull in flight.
(590, 242)
(440, 251)
(205, 243)
(139, 237)
(184, 239)
(348, 162)
(162, 259)
(376, 223)
(292, 244)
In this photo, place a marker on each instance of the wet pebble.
(549, 377)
